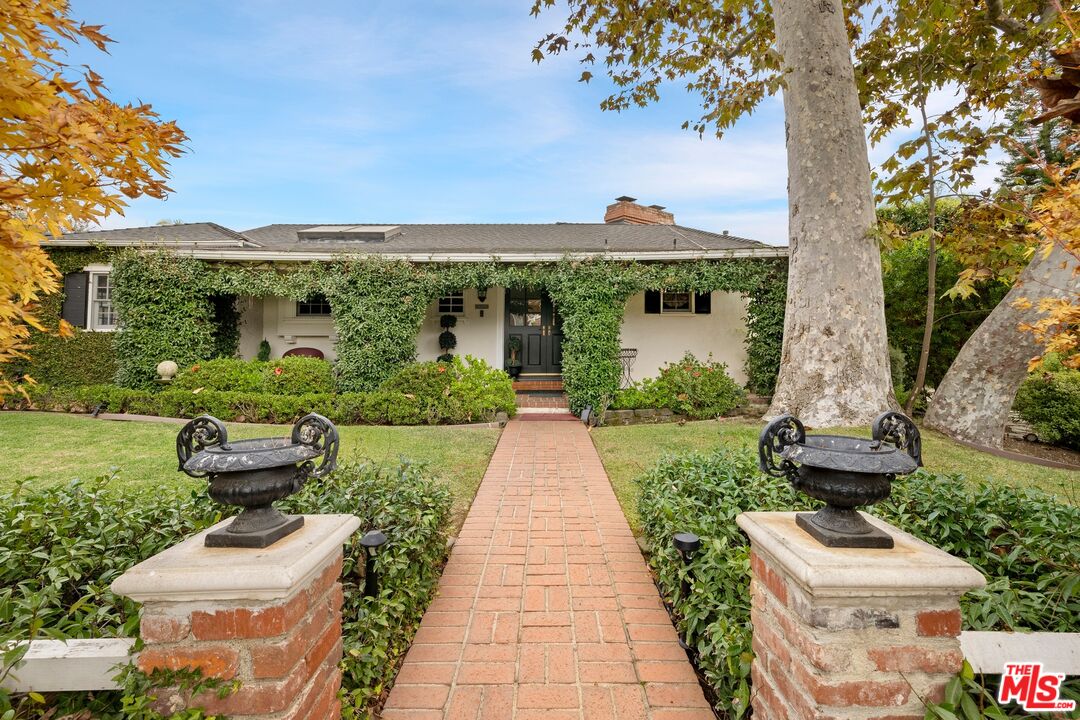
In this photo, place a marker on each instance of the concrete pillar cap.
(911, 568)
(190, 571)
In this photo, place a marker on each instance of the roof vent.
(348, 233)
(725, 232)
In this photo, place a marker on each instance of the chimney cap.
(657, 207)
(625, 198)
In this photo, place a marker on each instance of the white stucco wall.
(274, 319)
(481, 337)
(662, 338)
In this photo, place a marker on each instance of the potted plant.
(447, 339)
(513, 363)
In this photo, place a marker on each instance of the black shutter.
(76, 286)
(702, 303)
(652, 302)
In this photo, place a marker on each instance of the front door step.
(542, 401)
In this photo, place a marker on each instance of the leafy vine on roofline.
(379, 306)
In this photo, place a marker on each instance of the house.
(660, 325)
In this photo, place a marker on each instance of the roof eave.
(460, 257)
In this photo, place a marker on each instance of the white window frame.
(92, 302)
(325, 300)
(688, 311)
(447, 302)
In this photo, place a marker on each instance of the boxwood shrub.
(459, 392)
(1023, 542)
(61, 547)
(1050, 401)
(699, 390)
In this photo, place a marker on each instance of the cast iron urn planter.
(255, 473)
(845, 472)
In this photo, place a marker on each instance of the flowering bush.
(690, 387)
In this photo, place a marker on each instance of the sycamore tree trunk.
(834, 366)
(972, 401)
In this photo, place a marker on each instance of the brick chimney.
(625, 210)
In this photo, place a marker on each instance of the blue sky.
(373, 111)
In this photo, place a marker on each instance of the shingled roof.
(421, 241)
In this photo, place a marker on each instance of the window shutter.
(702, 303)
(652, 302)
(76, 290)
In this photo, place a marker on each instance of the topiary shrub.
(263, 354)
(689, 387)
(297, 375)
(1022, 540)
(1050, 401)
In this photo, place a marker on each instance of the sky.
(373, 111)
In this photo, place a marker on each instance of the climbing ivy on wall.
(379, 306)
(85, 358)
(164, 307)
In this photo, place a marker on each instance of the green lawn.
(629, 451)
(53, 447)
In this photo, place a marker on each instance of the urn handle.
(899, 430)
(783, 431)
(202, 432)
(319, 433)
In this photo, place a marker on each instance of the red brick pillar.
(850, 633)
(270, 619)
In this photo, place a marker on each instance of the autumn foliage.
(69, 155)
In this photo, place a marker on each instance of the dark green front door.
(531, 317)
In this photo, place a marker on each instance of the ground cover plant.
(628, 452)
(61, 546)
(688, 387)
(1021, 540)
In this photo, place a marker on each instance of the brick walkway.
(546, 608)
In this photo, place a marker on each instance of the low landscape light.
(371, 542)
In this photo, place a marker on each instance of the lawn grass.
(54, 447)
(628, 451)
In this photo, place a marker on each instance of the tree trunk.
(835, 364)
(931, 266)
(973, 400)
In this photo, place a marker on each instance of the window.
(314, 306)
(102, 311)
(452, 304)
(676, 302)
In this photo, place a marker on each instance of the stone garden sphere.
(166, 369)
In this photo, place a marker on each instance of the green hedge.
(85, 358)
(1051, 402)
(698, 390)
(1023, 541)
(459, 392)
(61, 547)
(287, 376)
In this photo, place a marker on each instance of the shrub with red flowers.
(689, 387)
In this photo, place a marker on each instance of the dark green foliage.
(298, 375)
(226, 325)
(264, 351)
(1051, 402)
(60, 547)
(448, 321)
(466, 390)
(447, 340)
(163, 302)
(1023, 541)
(699, 390)
(904, 277)
(456, 392)
(226, 374)
(85, 358)
(766, 290)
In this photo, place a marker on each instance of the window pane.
(453, 303)
(316, 305)
(675, 302)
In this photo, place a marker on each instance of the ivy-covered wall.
(84, 358)
(379, 307)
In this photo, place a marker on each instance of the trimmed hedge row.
(422, 394)
(1023, 541)
(287, 376)
(61, 547)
